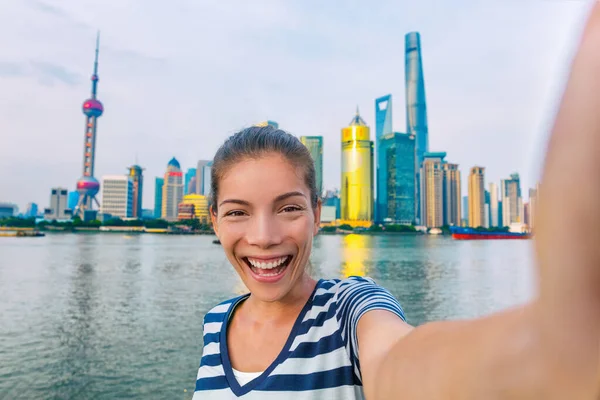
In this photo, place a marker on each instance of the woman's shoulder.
(354, 282)
(219, 311)
(358, 294)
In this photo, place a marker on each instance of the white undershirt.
(245, 377)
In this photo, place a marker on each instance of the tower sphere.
(88, 185)
(92, 108)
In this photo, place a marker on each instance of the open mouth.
(268, 269)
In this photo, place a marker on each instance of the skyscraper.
(432, 190)
(452, 194)
(494, 222)
(357, 172)
(268, 123)
(314, 144)
(533, 207)
(8, 210)
(87, 185)
(58, 205)
(512, 202)
(416, 107)
(200, 176)
(189, 175)
(158, 189)
(383, 147)
(477, 197)
(207, 180)
(396, 178)
(32, 210)
(383, 116)
(73, 199)
(172, 191)
(137, 177)
(117, 196)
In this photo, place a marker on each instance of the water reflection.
(355, 254)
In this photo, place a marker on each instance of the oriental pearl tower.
(87, 185)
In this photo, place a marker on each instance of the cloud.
(49, 74)
(47, 8)
(11, 69)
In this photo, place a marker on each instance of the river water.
(113, 316)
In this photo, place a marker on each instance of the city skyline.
(493, 113)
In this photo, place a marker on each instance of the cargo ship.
(474, 234)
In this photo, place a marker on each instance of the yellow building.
(200, 209)
(432, 190)
(268, 123)
(477, 197)
(357, 173)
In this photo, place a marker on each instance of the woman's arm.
(549, 349)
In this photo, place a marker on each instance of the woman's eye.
(234, 214)
(291, 208)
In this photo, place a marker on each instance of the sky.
(177, 78)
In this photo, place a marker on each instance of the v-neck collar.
(233, 383)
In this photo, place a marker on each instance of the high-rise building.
(198, 209)
(396, 178)
(452, 194)
(432, 190)
(58, 205)
(8, 210)
(357, 173)
(200, 186)
(172, 192)
(332, 199)
(416, 105)
(533, 207)
(88, 186)
(32, 210)
(383, 116)
(494, 222)
(477, 197)
(158, 190)
(207, 180)
(117, 196)
(189, 176)
(314, 144)
(526, 214)
(391, 153)
(136, 173)
(268, 123)
(512, 202)
(73, 199)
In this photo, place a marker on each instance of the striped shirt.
(318, 361)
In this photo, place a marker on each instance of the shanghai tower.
(88, 186)
(416, 108)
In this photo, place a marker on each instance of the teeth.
(267, 265)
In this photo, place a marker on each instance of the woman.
(294, 337)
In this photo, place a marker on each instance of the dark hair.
(255, 142)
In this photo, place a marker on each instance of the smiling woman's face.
(266, 224)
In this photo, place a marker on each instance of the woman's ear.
(317, 212)
(213, 219)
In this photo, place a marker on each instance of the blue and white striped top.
(319, 359)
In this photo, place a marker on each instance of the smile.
(268, 270)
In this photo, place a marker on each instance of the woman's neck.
(276, 310)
